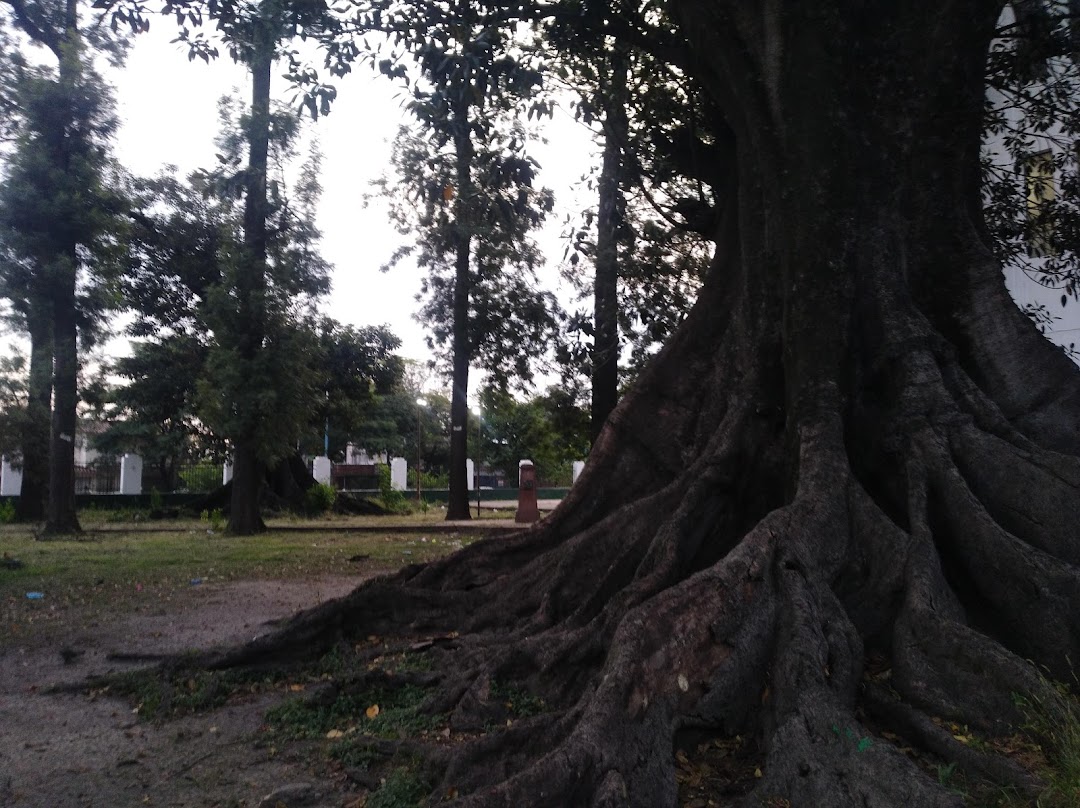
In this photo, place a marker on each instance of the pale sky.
(168, 107)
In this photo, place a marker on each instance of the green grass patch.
(378, 712)
(520, 703)
(159, 696)
(111, 569)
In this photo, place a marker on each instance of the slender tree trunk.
(458, 504)
(248, 469)
(605, 354)
(60, 517)
(35, 437)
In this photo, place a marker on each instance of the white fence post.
(399, 473)
(322, 470)
(10, 479)
(131, 468)
(579, 466)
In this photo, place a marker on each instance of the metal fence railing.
(99, 477)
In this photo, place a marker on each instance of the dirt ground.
(72, 749)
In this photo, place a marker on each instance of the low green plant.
(157, 502)
(381, 712)
(392, 499)
(319, 499)
(214, 518)
(158, 695)
(7, 512)
(521, 703)
(403, 788)
(1053, 720)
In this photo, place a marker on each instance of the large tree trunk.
(248, 470)
(855, 448)
(34, 441)
(60, 517)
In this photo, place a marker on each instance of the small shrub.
(319, 499)
(157, 502)
(7, 512)
(393, 499)
(214, 518)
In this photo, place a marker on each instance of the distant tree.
(152, 413)
(356, 366)
(551, 429)
(191, 276)
(12, 403)
(59, 227)
(639, 254)
(465, 194)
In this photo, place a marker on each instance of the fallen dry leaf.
(372, 711)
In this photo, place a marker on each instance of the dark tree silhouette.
(856, 447)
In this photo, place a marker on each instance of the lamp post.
(420, 404)
(479, 430)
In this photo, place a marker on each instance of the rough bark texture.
(855, 447)
(457, 506)
(30, 505)
(60, 515)
(605, 354)
(244, 515)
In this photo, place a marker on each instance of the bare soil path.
(72, 749)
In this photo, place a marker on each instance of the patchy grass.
(520, 703)
(402, 788)
(376, 712)
(129, 567)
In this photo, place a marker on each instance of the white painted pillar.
(470, 474)
(131, 468)
(579, 466)
(226, 473)
(10, 479)
(322, 470)
(399, 474)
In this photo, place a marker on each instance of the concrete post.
(579, 466)
(322, 470)
(470, 474)
(399, 473)
(10, 479)
(226, 473)
(131, 468)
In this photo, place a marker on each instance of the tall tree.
(638, 254)
(468, 169)
(192, 286)
(838, 504)
(59, 221)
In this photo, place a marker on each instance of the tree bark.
(838, 505)
(34, 443)
(62, 266)
(605, 354)
(248, 469)
(457, 506)
(60, 517)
